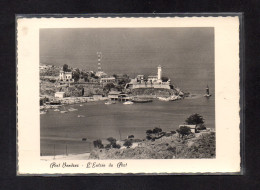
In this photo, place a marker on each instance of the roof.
(190, 126)
(108, 78)
(59, 92)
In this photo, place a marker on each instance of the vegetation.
(66, 68)
(112, 143)
(128, 143)
(98, 144)
(183, 131)
(195, 119)
(165, 79)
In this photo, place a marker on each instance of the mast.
(99, 54)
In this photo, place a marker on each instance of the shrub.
(111, 140)
(183, 131)
(128, 143)
(98, 144)
(194, 119)
(201, 127)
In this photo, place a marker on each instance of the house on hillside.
(59, 95)
(113, 95)
(66, 76)
(193, 128)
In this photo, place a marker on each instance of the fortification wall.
(163, 86)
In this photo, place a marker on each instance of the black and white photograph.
(128, 95)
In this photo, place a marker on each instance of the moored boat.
(81, 116)
(72, 109)
(139, 100)
(207, 92)
(128, 103)
(109, 102)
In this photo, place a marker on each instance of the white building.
(108, 80)
(101, 74)
(192, 127)
(59, 95)
(152, 81)
(66, 76)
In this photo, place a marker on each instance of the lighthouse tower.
(159, 75)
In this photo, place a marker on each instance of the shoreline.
(79, 100)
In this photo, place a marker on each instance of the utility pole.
(120, 135)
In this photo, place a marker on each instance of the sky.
(181, 52)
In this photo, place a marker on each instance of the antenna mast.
(99, 54)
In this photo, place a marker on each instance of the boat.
(80, 105)
(109, 102)
(72, 109)
(56, 110)
(81, 116)
(207, 92)
(43, 112)
(64, 111)
(128, 103)
(163, 99)
(139, 100)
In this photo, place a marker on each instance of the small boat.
(80, 105)
(138, 100)
(72, 109)
(128, 103)
(64, 111)
(42, 112)
(207, 92)
(163, 99)
(109, 102)
(56, 110)
(81, 115)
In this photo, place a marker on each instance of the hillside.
(153, 92)
(201, 145)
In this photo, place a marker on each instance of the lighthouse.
(159, 75)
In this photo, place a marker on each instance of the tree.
(128, 143)
(76, 75)
(149, 132)
(131, 137)
(111, 140)
(183, 131)
(98, 144)
(109, 86)
(157, 130)
(165, 79)
(115, 75)
(112, 143)
(65, 67)
(195, 119)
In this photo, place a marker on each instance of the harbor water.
(63, 133)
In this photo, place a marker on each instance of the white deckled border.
(226, 93)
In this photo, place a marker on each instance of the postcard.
(128, 95)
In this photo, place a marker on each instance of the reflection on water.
(117, 120)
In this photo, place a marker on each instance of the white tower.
(159, 75)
